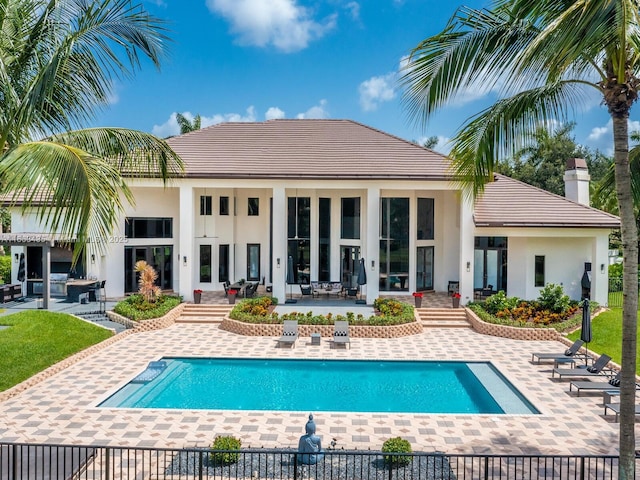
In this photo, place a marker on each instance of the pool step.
(201, 313)
(443, 318)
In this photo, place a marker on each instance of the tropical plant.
(58, 62)
(186, 125)
(543, 57)
(147, 281)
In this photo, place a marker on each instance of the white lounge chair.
(289, 333)
(341, 333)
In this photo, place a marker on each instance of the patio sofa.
(327, 288)
(10, 292)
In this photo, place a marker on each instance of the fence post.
(201, 465)
(295, 467)
(14, 457)
(107, 466)
(486, 468)
(581, 468)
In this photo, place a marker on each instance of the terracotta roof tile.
(333, 149)
(508, 202)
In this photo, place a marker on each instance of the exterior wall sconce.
(184, 260)
(468, 266)
(373, 264)
(15, 258)
(602, 268)
(278, 262)
(93, 258)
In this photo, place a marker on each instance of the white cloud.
(317, 111)
(281, 23)
(354, 10)
(376, 90)
(598, 132)
(274, 113)
(171, 127)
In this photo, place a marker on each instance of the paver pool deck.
(62, 409)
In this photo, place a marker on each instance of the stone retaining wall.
(355, 331)
(505, 331)
(147, 325)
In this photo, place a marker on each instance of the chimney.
(576, 181)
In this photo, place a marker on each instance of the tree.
(58, 61)
(543, 56)
(187, 126)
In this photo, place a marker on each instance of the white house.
(328, 193)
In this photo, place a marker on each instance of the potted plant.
(197, 296)
(455, 299)
(418, 298)
(231, 295)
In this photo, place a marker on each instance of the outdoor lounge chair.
(616, 409)
(598, 368)
(612, 385)
(307, 290)
(289, 333)
(571, 352)
(341, 333)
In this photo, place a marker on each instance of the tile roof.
(510, 203)
(314, 149)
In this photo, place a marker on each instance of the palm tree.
(187, 126)
(543, 57)
(58, 61)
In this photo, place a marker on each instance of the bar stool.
(101, 296)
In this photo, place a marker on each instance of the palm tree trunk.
(630, 297)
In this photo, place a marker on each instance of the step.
(199, 313)
(445, 324)
(443, 317)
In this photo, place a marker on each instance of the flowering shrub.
(197, 290)
(455, 295)
(418, 294)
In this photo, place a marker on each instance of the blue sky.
(253, 60)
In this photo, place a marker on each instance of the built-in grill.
(58, 284)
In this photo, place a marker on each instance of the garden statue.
(310, 447)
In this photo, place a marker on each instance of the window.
(205, 263)
(539, 271)
(148, 228)
(324, 233)
(425, 219)
(299, 237)
(205, 205)
(350, 219)
(224, 205)
(253, 261)
(223, 263)
(394, 244)
(253, 205)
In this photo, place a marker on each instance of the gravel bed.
(336, 465)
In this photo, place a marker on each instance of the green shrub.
(397, 445)
(135, 307)
(5, 268)
(499, 301)
(220, 450)
(615, 270)
(552, 298)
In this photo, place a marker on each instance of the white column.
(279, 266)
(186, 251)
(466, 251)
(600, 268)
(46, 270)
(372, 245)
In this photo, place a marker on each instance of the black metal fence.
(615, 291)
(40, 462)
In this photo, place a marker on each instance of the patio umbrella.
(362, 279)
(22, 273)
(585, 334)
(290, 279)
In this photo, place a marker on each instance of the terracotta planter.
(232, 298)
(456, 302)
(197, 297)
(418, 301)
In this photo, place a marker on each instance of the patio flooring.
(63, 408)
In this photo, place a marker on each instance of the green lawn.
(38, 339)
(607, 335)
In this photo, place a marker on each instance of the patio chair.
(225, 285)
(598, 368)
(307, 290)
(341, 333)
(615, 407)
(250, 290)
(613, 385)
(572, 351)
(289, 333)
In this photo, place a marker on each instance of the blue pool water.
(325, 385)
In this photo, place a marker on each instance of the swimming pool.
(325, 385)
